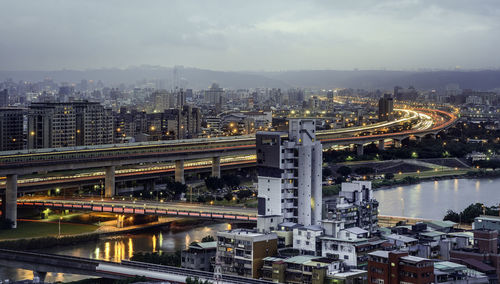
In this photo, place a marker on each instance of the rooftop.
(441, 224)
(432, 234)
(356, 230)
(206, 245)
(489, 218)
(401, 238)
(380, 253)
(300, 259)
(414, 259)
(449, 266)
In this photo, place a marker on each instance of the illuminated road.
(26, 162)
(149, 170)
(179, 209)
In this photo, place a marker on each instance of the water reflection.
(116, 248)
(443, 195)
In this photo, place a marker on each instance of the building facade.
(242, 252)
(397, 267)
(289, 176)
(53, 125)
(11, 129)
(386, 108)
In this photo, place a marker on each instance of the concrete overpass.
(41, 263)
(41, 183)
(16, 163)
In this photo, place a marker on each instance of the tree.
(327, 172)
(228, 196)
(344, 171)
(232, 181)
(214, 183)
(207, 239)
(389, 176)
(244, 193)
(176, 188)
(452, 216)
(364, 170)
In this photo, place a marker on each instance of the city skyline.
(367, 35)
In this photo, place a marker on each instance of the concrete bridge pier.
(11, 200)
(179, 171)
(397, 143)
(216, 167)
(418, 139)
(109, 187)
(359, 149)
(41, 276)
(381, 145)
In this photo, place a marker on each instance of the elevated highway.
(109, 157)
(46, 182)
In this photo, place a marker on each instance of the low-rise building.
(306, 239)
(352, 251)
(199, 256)
(483, 256)
(446, 272)
(241, 252)
(310, 269)
(486, 222)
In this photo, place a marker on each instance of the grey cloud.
(250, 35)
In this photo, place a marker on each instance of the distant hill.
(325, 79)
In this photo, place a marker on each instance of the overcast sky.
(250, 35)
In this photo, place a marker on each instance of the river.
(431, 199)
(428, 200)
(116, 248)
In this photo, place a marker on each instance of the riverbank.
(102, 231)
(415, 178)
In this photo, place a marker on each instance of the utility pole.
(59, 235)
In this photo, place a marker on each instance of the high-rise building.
(289, 176)
(214, 96)
(386, 108)
(181, 98)
(162, 100)
(94, 123)
(52, 125)
(11, 129)
(4, 98)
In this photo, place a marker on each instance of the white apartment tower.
(289, 176)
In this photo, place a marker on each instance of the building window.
(346, 257)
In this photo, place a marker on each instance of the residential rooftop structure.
(482, 256)
(487, 222)
(289, 176)
(398, 267)
(351, 250)
(241, 252)
(199, 256)
(446, 272)
(310, 269)
(355, 206)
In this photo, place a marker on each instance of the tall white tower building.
(289, 173)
